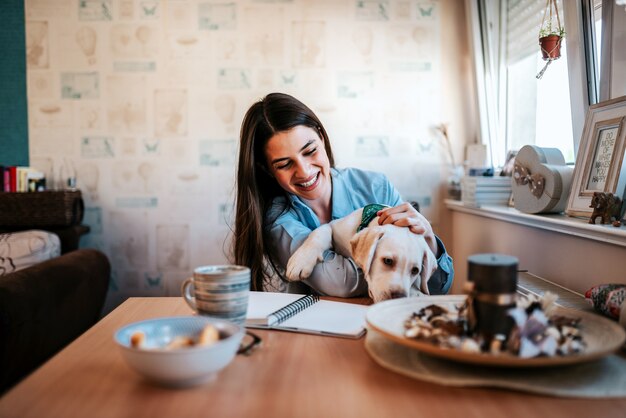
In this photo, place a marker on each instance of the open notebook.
(308, 314)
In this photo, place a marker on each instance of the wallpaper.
(141, 102)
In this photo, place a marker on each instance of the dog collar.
(369, 213)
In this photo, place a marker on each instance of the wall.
(460, 104)
(141, 101)
(13, 116)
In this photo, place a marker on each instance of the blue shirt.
(337, 275)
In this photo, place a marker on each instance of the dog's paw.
(301, 264)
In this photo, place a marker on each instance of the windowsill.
(551, 222)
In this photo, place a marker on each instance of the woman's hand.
(405, 215)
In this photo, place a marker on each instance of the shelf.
(563, 224)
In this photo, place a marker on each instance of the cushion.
(609, 300)
(19, 250)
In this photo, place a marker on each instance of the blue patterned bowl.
(186, 366)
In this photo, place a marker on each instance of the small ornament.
(606, 206)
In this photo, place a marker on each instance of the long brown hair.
(256, 188)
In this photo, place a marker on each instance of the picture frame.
(600, 163)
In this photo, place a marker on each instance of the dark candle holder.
(492, 287)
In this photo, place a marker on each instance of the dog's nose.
(396, 294)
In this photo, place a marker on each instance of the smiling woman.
(256, 186)
(287, 186)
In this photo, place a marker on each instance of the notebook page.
(261, 304)
(329, 317)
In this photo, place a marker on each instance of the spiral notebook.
(307, 314)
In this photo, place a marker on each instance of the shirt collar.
(305, 212)
(340, 201)
(341, 198)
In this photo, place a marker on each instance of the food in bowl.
(155, 348)
(536, 332)
(207, 336)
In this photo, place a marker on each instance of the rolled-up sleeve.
(335, 276)
(441, 280)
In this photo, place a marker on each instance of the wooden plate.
(601, 335)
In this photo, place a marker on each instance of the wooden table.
(290, 375)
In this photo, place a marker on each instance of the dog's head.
(393, 259)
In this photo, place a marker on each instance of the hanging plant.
(551, 34)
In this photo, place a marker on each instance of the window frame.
(583, 80)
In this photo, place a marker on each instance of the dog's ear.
(363, 246)
(429, 265)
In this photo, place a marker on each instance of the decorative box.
(541, 180)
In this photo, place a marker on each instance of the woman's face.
(298, 160)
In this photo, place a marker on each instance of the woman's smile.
(308, 184)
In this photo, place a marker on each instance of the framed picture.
(600, 163)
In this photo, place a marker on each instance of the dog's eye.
(415, 271)
(388, 261)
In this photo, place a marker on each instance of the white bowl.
(182, 366)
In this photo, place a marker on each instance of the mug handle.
(187, 289)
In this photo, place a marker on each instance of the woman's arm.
(336, 275)
(441, 280)
(339, 276)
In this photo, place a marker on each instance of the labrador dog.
(395, 261)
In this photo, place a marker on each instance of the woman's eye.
(415, 271)
(282, 166)
(310, 152)
(388, 261)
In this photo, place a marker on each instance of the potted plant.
(550, 42)
(551, 33)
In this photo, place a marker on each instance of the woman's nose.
(302, 168)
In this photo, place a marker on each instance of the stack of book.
(479, 191)
(21, 179)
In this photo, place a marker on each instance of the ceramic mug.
(219, 291)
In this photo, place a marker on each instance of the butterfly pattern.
(149, 9)
(152, 280)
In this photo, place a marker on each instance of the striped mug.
(219, 292)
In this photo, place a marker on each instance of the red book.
(13, 179)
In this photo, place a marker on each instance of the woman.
(287, 185)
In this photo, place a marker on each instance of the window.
(516, 107)
(537, 110)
